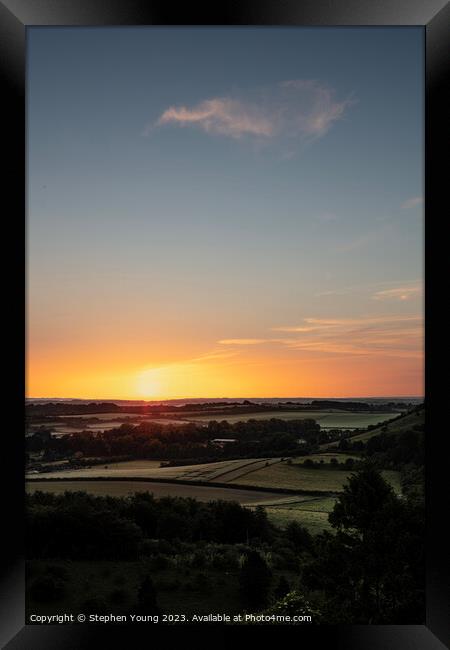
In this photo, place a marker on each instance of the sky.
(224, 212)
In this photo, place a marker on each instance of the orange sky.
(372, 356)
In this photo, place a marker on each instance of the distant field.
(107, 422)
(124, 488)
(329, 419)
(326, 419)
(402, 424)
(102, 416)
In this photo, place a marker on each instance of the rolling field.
(326, 419)
(223, 471)
(329, 419)
(311, 513)
(107, 424)
(398, 426)
(256, 472)
(100, 416)
(296, 477)
(159, 490)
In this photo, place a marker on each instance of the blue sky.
(170, 162)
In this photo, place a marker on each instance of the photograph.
(225, 385)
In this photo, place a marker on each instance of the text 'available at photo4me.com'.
(246, 618)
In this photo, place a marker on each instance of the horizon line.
(240, 397)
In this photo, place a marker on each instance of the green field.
(265, 472)
(404, 423)
(125, 488)
(222, 471)
(330, 419)
(311, 513)
(296, 477)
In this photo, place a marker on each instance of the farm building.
(221, 442)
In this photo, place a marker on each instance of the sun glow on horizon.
(148, 385)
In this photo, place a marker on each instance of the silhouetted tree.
(255, 579)
(371, 570)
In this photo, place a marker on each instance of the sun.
(147, 385)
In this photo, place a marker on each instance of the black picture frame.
(15, 17)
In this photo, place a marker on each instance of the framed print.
(221, 230)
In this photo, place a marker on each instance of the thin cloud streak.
(382, 336)
(359, 288)
(399, 293)
(222, 116)
(338, 322)
(243, 341)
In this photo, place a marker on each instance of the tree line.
(270, 437)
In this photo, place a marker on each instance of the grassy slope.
(330, 419)
(404, 423)
(151, 469)
(311, 513)
(159, 490)
(296, 477)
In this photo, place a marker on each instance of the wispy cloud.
(399, 293)
(302, 109)
(243, 341)
(223, 116)
(412, 202)
(392, 336)
(293, 328)
(399, 336)
(215, 355)
(371, 288)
